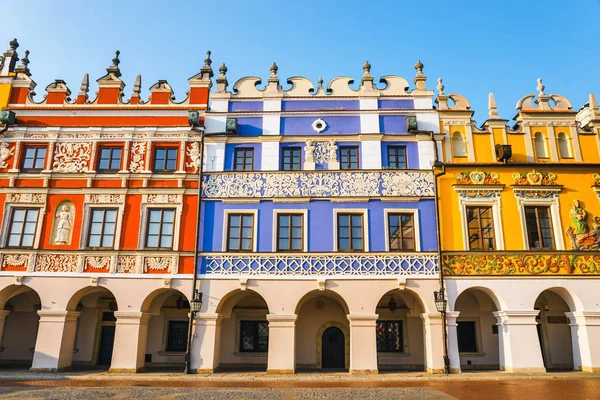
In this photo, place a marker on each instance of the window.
(290, 158)
(396, 157)
(240, 232)
(110, 159)
(102, 227)
(254, 336)
(459, 147)
(467, 336)
(22, 227)
(564, 148)
(165, 159)
(177, 336)
(539, 142)
(539, 227)
(350, 232)
(243, 159)
(390, 336)
(33, 159)
(401, 232)
(481, 228)
(289, 232)
(349, 157)
(160, 228)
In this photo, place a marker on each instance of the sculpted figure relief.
(309, 151)
(582, 237)
(193, 152)
(64, 225)
(5, 153)
(332, 150)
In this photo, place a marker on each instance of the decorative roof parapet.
(535, 178)
(460, 102)
(367, 87)
(542, 101)
(82, 97)
(23, 68)
(110, 86)
(222, 82)
(492, 109)
(161, 93)
(420, 80)
(10, 58)
(136, 95)
(273, 88)
(58, 92)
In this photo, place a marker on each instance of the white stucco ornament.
(319, 125)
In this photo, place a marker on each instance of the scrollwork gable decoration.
(62, 229)
(478, 184)
(72, 157)
(583, 237)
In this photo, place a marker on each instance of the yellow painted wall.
(517, 141)
(483, 147)
(589, 147)
(4, 94)
(577, 186)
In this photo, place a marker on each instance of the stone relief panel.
(138, 151)
(583, 237)
(57, 263)
(193, 154)
(72, 157)
(6, 151)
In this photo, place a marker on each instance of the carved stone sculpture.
(5, 153)
(64, 225)
(309, 151)
(193, 152)
(582, 237)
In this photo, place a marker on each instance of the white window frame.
(416, 223)
(304, 213)
(226, 214)
(493, 202)
(554, 205)
(87, 214)
(144, 228)
(365, 214)
(7, 220)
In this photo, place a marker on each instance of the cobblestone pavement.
(506, 389)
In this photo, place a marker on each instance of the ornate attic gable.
(136, 95)
(57, 92)
(161, 93)
(201, 83)
(22, 86)
(460, 102)
(542, 101)
(82, 97)
(110, 87)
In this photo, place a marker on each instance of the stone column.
(131, 331)
(434, 343)
(453, 353)
(585, 329)
(282, 343)
(206, 343)
(363, 343)
(520, 349)
(55, 340)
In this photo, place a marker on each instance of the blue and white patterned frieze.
(422, 264)
(318, 184)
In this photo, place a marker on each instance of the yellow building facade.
(520, 234)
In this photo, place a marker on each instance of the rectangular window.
(348, 157)
(539, 227)
(390, 336)
(177, 336)
(160, 228)
(254, 336)
(243, 159)
(290, 159)
(22, 227)
(290, 233)
(110, 159)
(396, 157)
(34, 158)
(240, 232)
(401, 231)
(350, 232)
(165, 159)
(480, 222)
(467, 337)
(102, 227)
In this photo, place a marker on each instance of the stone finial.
(593, 102)
(85, 85)
(207, 68)
(273, 88)
(420, 78)
(419, 67)
(367, 67)
(440, 86)
(23, 68)
(540, 87)
(14, 44)
(114, 68)
(137, 85)
(492, 109)
(274, 68)
(367, 78)
(222, 82)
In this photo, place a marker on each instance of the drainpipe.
(440, 165)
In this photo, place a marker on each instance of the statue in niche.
(5, 153)
(64, 225)
(582, 237)
(309, 151)
(332, 148)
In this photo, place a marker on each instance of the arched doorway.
(95, 331)
(399, 332)
(333, 348)
(166, 342)
(477, 331)
(244, 332)
(18, 313)
(554, 332)
(322, 332)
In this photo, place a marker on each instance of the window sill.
(171, 353)
(250, 354)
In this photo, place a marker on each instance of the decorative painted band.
(422, 264)
(523, 263)
(318, 184)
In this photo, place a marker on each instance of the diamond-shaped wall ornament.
(319, 125)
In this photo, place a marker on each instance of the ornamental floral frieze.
(477, 177)
(98, 263)
(534, 177)
(106, 198)
(58, 263)
(15, 261)
(138, 151)
(484, 264)
(127, 265)
(596, 178)
(163, 265)
(162, 198)
(318, 184)
(582, 235)
(72, 157)
(26, 198)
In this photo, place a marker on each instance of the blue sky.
(477, 47)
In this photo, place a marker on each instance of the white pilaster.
(282, 343)
(520, 349)
(272, 121)
(270, 156)
(214, 123)
(528, 144)
(426, 153)
(428, 121)
(433, 339)
(552, 144)
(585, 329)
(363, 343)
(575, 143)
(470, 144)
(214, 158)
(453, 353)
(206, 343)
(55, 340)
(131, 332)
(370, 154)
(369, 122)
